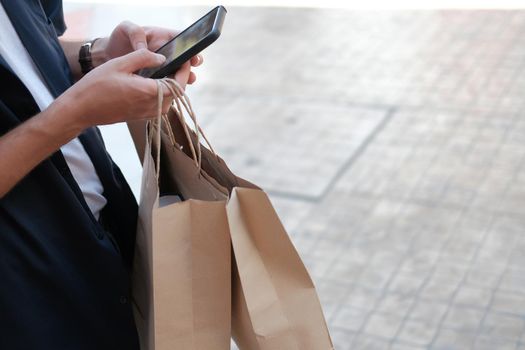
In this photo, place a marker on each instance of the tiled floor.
(393, 144)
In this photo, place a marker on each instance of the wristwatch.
(84, 56)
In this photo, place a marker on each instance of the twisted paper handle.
(180, 103)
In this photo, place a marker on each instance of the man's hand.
(112, 93)
(128, 37)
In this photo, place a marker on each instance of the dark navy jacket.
(63, 283)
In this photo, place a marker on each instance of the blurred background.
(391, 139)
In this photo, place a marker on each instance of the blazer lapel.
(5, 65)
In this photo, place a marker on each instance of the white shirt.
(16, 55)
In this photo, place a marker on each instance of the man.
(67, 216)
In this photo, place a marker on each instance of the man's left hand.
(128, 37)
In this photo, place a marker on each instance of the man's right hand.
(112, 93)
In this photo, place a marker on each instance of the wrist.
(98, 52)
(52, 128)
(92, 54)
(66, 116)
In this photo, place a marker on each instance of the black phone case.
(194, 50)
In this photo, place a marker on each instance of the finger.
(159, 33)
(183, 74)
(196, 60)
(139, 59)
(150, 92)
(192, 78)
(166, 103)
(166, 92)
(135, 34)
(157, 37)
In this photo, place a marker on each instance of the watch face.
(84, 57)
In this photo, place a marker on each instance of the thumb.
(139, 59)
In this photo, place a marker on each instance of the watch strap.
(84, 56)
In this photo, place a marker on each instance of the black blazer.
(63, 284)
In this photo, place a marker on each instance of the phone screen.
(184, 41)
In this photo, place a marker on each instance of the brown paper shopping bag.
(275, 305)
(182, 268)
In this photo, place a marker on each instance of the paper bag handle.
(154, 126)
(180, 99)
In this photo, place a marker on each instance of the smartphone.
(188, 43)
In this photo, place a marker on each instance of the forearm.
(71, 49)
(26, 146)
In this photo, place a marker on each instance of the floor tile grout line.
(360, 150)
(426, 280)
(354, 285)
(383, 292)
(385, 288)
(450, 300)
(421, 287)
(389, 112)
(474, 258)
(453, 296)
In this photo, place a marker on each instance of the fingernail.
(141, 45)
